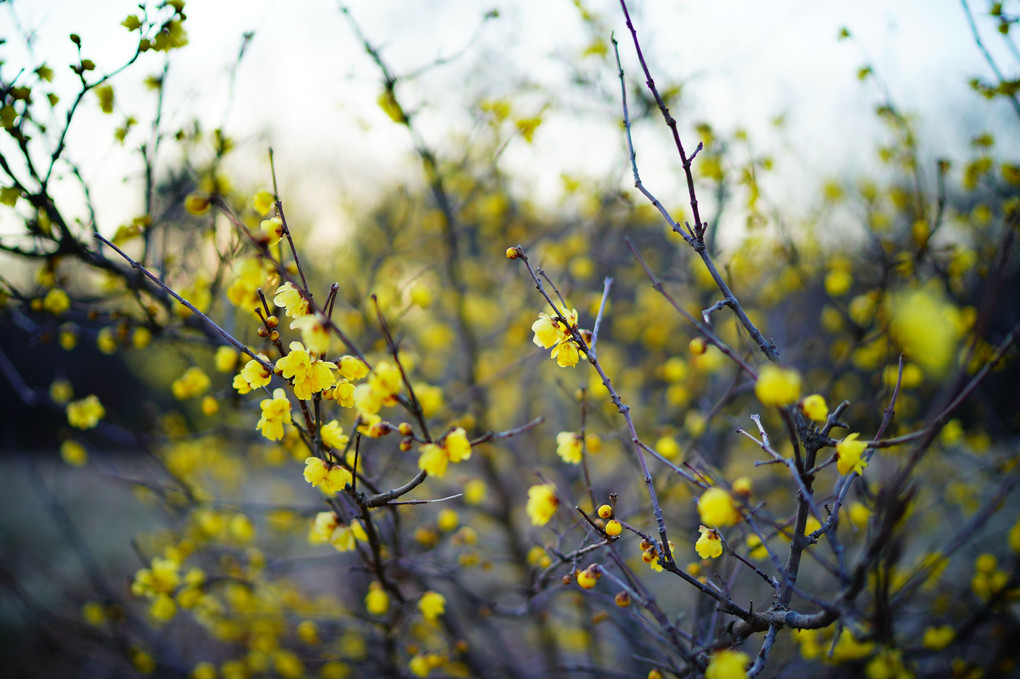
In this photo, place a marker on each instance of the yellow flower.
(566, 354)
(1014, 537)
(343, 393)
(342, 538)
(527, 127)
(275, 413)
(542, 503)
(163, 607)
(262, 202)
(291, 298)
(244, 291)
(273, 230)
(333, 436)
(323, 526)
(709, 545)
(814, 407)
(85, 413)
(727, 664)
(253, 376)
(106, 341)
(377, 601)
(225, 359)
(454, 448)
(887, 664)
(314, 332)
(61, 391)
(553, 333)
(937, 638)
(56, 301)
(353, 368)
(309, 376)
(197, 203)
(141, 337)
(838, 282)
(777, 386)
(73, 453)
(756, 550)
(457, 446)
(667, 447)
(927, 326)
(568, 447)
(193, 382)
(850, 455)
(432, 605)
(475, 491)
(716, 508)
(433, 459)
(316, 471)
(338, 478)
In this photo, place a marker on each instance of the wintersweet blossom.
(327, 527)
(716, 508)
(342, 393)
(727, 664)
(309, 375)
(814, 407)
(85, 413)
(314, 329)
(709, 545)
(253, 375)
(333, 435)
(262, 202)
(251, 275)
(432, 605)
(555, 333)
(272, 229)
(435, 457)
(292, 300)
(542, 503)
(275, 413)
(777, 386)
(315, 471)
(194, 382)
(56, 301)
(850, 454)
(353, 368)
(568, 447)
(381, 389)
(377, 601)
(432, 459)
(332, 478)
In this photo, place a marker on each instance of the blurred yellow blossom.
(777, 386)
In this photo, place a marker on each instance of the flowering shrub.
(771, 456)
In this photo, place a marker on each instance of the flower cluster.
(275, 414)
(329, 477)
(557, 333)
(542, 503)
(327, 527)
(454, 447)
(308, 374)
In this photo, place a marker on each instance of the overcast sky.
(307, 87)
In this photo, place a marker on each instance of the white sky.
(307, 87)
